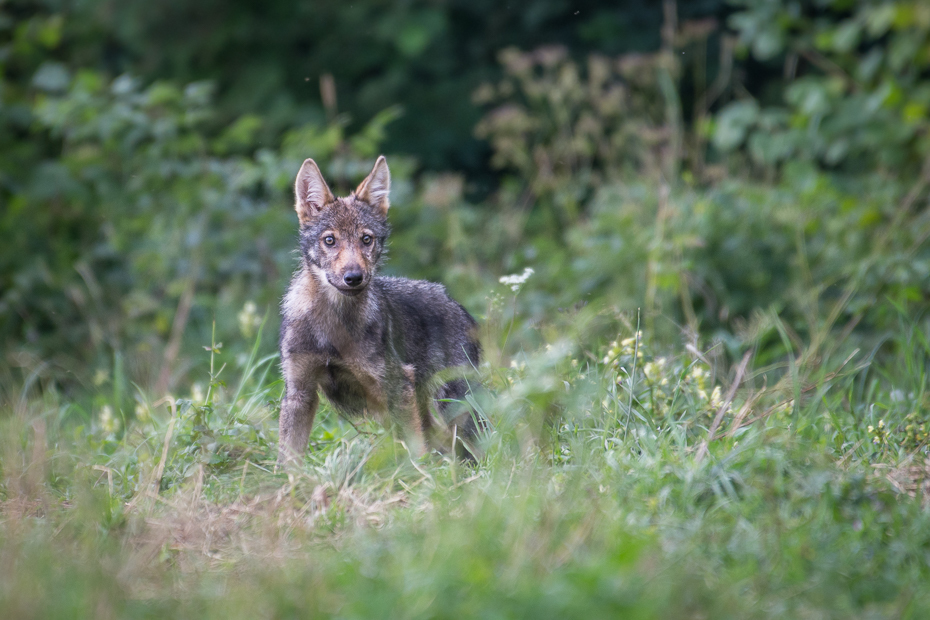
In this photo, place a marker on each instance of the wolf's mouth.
(350, 292)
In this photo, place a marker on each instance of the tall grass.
(616, 479)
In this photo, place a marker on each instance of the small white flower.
(197, 394)
(515, 281)
(249, 320)
(654, 370)
(108, 421)
(142, 413)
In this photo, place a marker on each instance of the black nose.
(353, 278)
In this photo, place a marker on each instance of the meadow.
(613, 481)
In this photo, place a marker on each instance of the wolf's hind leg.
(297, 412)
(437, 436)
(462, 421)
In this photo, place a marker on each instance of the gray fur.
(374, 348)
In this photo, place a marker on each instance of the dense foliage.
(695, 236)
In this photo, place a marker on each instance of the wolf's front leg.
(298, 409)
(406, 413)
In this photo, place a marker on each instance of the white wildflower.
(197, 394)
(515, 281)
(249, 320)
(142, 413)
(653, 371)
(108, 422)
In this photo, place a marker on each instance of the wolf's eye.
(366, 239)
(329, 240)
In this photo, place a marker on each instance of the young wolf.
(372, 344)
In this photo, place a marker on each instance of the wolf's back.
(436, 332)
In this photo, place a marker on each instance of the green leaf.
(733, 123)
(52, 77)
(879, 19)
(846, 36)
(768, 43)
(809, 96)
(418, 31)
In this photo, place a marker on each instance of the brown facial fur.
(348, 229)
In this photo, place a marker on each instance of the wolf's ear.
(311, 191)
(377, 185)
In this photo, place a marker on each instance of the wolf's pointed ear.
(311, 191)
(377, 185)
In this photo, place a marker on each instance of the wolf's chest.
(354, 388)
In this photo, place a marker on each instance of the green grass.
(601, 493)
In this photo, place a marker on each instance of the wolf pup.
(374, 345)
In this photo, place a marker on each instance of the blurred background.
(694, 166)
(694, 233)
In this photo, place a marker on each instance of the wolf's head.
(342, 239)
